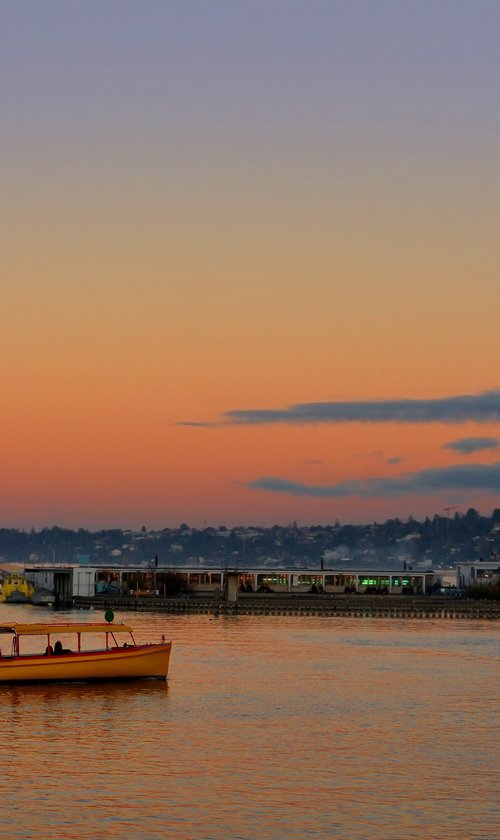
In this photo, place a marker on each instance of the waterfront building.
(161, 581)
(480, 573)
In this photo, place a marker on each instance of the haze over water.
(269, 727)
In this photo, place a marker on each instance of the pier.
(334, 606)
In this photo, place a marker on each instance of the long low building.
(89, 581)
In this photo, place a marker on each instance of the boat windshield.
(57, 639)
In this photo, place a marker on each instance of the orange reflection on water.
(269, 727)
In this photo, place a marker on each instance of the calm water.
(269, 728)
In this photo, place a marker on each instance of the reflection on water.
(269, 727)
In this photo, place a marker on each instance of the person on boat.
(58, 649)
(48, 651)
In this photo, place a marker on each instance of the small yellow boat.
(98, 652)
(16, 590)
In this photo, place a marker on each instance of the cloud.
(462, 477)
(198, 424)
(466, 446)
(480, 408)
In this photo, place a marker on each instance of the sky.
(250, 261)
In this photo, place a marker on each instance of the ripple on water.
(270, 727)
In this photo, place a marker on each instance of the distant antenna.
(447, 512)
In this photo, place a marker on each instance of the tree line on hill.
(437, 541)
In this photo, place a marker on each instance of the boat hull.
(17, 597)
(142, 662)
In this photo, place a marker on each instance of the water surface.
(269, 727)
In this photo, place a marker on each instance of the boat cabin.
(18, 640)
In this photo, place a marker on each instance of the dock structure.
(336, 606)
(382, 593)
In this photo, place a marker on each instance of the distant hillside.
(440, 541)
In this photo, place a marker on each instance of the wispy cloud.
(198, 424)
(379, 456)
(480, 408)
(462, 477)
(466, 446)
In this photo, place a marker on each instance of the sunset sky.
(250, 261)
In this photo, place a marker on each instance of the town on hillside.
(442, 541)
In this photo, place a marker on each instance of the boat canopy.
(46, 629)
